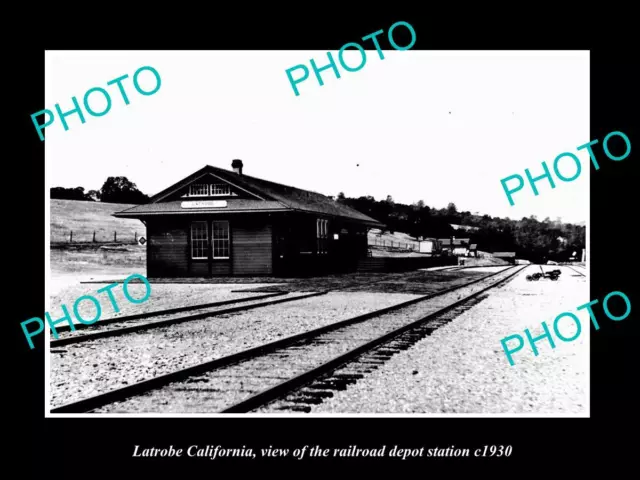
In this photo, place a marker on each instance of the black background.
(70, 448)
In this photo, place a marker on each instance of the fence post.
(71, 236)
(135, 237)
(115, 236)
(94, 236)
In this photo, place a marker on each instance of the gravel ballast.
(97, 366)
(163, 296)
(487, 269)
(462, 368)
(211, 392)
(101, 326)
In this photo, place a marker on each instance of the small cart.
(553, 275)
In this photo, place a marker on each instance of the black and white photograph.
(275, 233)
(391, 244)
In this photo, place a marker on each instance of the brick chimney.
(237, 166)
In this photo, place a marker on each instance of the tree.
(530, 238)
(93, 195)
(62, 193)
(341, 196)
(121, 190)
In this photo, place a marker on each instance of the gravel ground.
(162, 297)
(414, 282)
(101, 365)
(462, 368)
(103, 327)
(435, 269)
(488, 269)
(233, 383)
(60, 281)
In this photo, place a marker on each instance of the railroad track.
(111, 328)
(169, 311)
(133, 323)
(455, 268)
(252, 378)
(315, 387)
(577, 271)
(449, 269)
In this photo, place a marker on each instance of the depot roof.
(266, 197)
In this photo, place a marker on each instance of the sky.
(437, 126)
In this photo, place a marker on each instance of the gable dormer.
(209, 187)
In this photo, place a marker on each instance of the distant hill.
(531, 239)
(396, 239)
(85, 217)
(466, 228)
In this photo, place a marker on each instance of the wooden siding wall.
(220, 267)
(167, 251)
(251, 249)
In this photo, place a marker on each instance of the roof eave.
(138, 215)
(192, 212)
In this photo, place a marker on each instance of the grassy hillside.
(83, 218)
(399, 239)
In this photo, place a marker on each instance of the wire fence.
(381, 242)
(125, 238)
(134, 238)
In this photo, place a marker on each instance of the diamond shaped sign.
(142, 241)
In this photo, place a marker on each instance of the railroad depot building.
(217, 222)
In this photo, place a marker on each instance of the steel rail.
(169, 311)
(144, 386)
(172, 321)
(267, 396)
(578, 272)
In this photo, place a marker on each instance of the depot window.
(220, 239)
(199, 241)
(209, 190)
(322, 229)
(220, 189)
